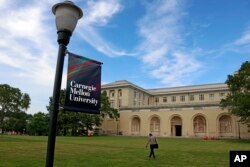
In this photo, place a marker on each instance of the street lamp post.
(67, 15)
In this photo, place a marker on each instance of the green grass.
(117, 151)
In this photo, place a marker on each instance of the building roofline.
(170, 90)
(124, 83)
(189, 88)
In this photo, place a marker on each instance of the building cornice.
(173, 106)
(123, 83)
(169, 90)
(190, 89)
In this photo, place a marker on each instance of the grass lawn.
(117, 151)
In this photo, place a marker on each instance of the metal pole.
(55, 104)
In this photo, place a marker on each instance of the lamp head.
(67, 15)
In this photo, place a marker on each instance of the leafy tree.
(72, 122)
(26, 101)
(106, 109)
(88, 121)
(238, 100)
(38, 124)
(12, 100)
(67, 122)
(15, 121)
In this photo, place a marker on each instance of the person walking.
(152, 142)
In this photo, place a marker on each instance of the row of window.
(139, 101)
(112, 93)
(173, 98)
(201, 97)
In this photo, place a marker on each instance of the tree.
(26, 101)
(89, 121)
(12, 100)
(71, 122)
(106, 109)
(15, 121)
(238, 100)
(67, 123)
(38, 124)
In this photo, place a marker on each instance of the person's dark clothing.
(152, 152)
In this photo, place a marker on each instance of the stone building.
(187, 111)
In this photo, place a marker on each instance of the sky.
(151, 43)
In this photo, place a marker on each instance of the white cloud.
(28, 42)
(160, 30)
(244, 39)
(162, 47)
(154, 56)
(99, 13)
(25, 42)
(92, 36)
(240, 45)
(177, 69)
(28, 47)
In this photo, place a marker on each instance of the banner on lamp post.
(83, 91)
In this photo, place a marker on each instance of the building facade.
(188, 111)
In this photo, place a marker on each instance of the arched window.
(155, 125)
(135, 127)
(225, 124)
(199, 124)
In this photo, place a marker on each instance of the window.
(155, 125)
(225, 124)
(134, 102)
(199, 124)
(143, 99)
(120, 103)
(222, 95)
(191, 97)
(112, 103)
(112, 93)
(173, 99)
(201, 97)
(182, 98)
(135, 128)
(120, 92)
(135, 93)
(165, 99)
(211, 96)
(157, 99)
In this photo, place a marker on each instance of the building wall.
(212, 123)
(110, 126)
(143, 112)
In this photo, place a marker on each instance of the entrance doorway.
(176, 126)
(178, 130)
